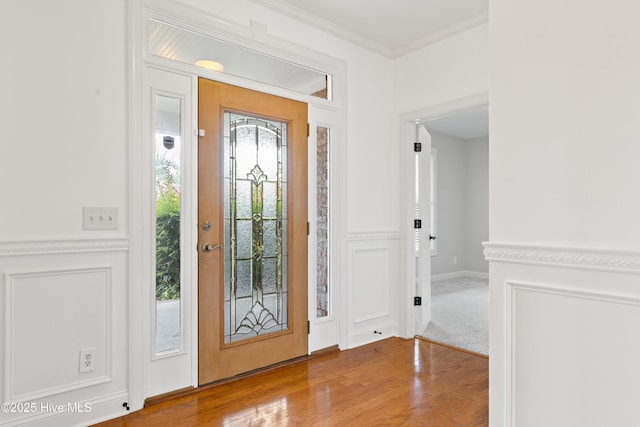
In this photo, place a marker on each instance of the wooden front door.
(252, 209)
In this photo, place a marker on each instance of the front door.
(252, 215)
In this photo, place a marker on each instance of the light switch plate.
(99, 218)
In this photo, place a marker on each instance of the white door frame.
(415, 318)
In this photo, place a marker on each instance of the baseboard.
(477, 274)
(81, 414)
(464, 350)
(372, 334)
(458, 275)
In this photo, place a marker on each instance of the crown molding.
(343, 33)
(63, 246)
(325, 25)
(444, 33)
(579, 258)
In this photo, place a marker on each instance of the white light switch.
(104, 218)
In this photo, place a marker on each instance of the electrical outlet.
(87, 359)
(104, 218)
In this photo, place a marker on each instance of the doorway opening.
(458, 195)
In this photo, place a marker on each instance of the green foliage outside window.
(167, 230)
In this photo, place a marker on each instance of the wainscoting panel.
(370, 284)
(59, 298)
(564, 336)
(68, 311)
(373, 286)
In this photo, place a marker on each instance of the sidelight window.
(168, 160)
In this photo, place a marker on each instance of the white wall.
(64, 120)
(564, 237)
(451, 183)
(574, 121)
(64, 147)
(477, 204)
(453, 68)
(462, 204)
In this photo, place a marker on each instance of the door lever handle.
(208, 247)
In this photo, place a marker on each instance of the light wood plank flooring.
(394, 382)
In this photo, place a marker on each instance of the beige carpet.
(460, 313)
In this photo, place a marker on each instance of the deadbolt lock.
(206, 226)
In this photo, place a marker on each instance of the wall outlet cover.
(87, 359)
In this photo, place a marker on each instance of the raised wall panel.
(50, 317)
(372, 305)
(58, 297)
(564, 336)
(574, 356)
(370, 284)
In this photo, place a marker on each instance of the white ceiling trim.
(359, 40)
(322, 24)
(457, 28)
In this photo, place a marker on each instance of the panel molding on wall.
(66, 284)
(62, 246)
(373, 261)
(373, 235)
(519, 295)
(375, 276)
(578, 258)
(58, 296)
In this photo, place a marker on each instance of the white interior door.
(422, 251)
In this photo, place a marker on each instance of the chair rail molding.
(63, 246)
(567, 257)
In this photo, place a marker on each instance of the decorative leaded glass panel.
(255, 203)
(322, 222)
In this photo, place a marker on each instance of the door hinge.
(308, 327)
(308, 228)
(417, 223)
(308, 129)
(417, 147)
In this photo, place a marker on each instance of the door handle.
(208, 247)
(432, 237)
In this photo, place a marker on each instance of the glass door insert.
(255, 227)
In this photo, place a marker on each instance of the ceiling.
(465, 124)
(395, 28)
(392, 28)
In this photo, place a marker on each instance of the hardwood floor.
(394, 382)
